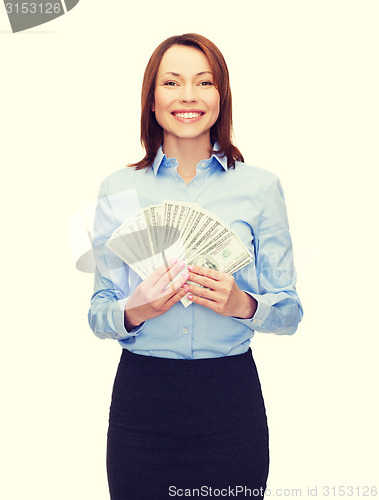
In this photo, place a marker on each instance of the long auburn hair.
(221, 131)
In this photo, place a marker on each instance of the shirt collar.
(162, 158)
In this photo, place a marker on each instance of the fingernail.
(189, 296)
(182, 263)
(190, 268)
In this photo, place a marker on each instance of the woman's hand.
(224, 296)
(150, 299)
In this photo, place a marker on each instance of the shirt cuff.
(261, 314)
(119, 321)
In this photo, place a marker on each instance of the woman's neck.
(188, 152)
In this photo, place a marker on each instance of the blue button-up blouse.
(251, 201)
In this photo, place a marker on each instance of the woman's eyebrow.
(177, 74)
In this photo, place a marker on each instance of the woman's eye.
(205, 84)
(170, 84)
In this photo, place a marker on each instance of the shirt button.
(185, 330)
(203, 164)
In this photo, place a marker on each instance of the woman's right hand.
(150, 299)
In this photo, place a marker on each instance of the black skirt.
(183, 427)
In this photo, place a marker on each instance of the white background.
(305, 82)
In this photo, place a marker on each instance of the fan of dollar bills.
(175, 230)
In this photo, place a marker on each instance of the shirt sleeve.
(279, 308)
(111, 287)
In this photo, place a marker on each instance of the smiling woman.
(187, 409)
(186, 104)
(203, 66)
(193, 91)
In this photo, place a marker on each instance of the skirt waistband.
(155, 364)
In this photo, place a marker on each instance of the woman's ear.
(152, 106)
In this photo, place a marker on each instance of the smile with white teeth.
(187, 115)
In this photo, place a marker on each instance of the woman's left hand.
(221, 294)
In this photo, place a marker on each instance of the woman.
(187, 412)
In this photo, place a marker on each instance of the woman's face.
(186, 102)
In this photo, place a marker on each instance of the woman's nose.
(188, 94)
